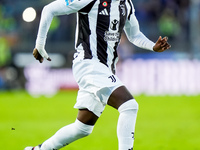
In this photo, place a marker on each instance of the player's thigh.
(87, 117)
(119, 96)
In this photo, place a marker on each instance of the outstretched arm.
(56, 8)
(135, 36)
(49, 11)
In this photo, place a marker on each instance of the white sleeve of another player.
(135, 36)
(56, 8)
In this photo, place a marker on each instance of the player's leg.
(82, 127)
(87, 117)
(122, 100)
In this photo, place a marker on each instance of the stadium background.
(36, 99)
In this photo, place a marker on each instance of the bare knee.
(119, 96)
(87, 117)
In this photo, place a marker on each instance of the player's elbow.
(45, 9)
(48, 11)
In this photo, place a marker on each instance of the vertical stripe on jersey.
(87, 8)
(114, 58)
(122, 16)
(103, 21)
(83, 35)
(131, 10)
(84, 31)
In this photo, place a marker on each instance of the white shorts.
(96, 83)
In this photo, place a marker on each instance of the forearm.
(48, 12)
(135, 36)
(142, 41)
(45, 22)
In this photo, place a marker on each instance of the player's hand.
(161, 45)
(38, 56)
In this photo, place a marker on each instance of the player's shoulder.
(74, 6)
(130, 5)
(77, 3)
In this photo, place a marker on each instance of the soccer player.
(99, 27)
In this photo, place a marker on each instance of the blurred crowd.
(171, 17)
(156, 17)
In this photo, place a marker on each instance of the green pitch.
(163, 123)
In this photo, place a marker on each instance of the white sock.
(126, 124)
(66, 135)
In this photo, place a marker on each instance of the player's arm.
(56, 8)
(135, 36)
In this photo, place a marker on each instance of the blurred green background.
(163, 123)
(37, 99)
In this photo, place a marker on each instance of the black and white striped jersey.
(99, 27)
